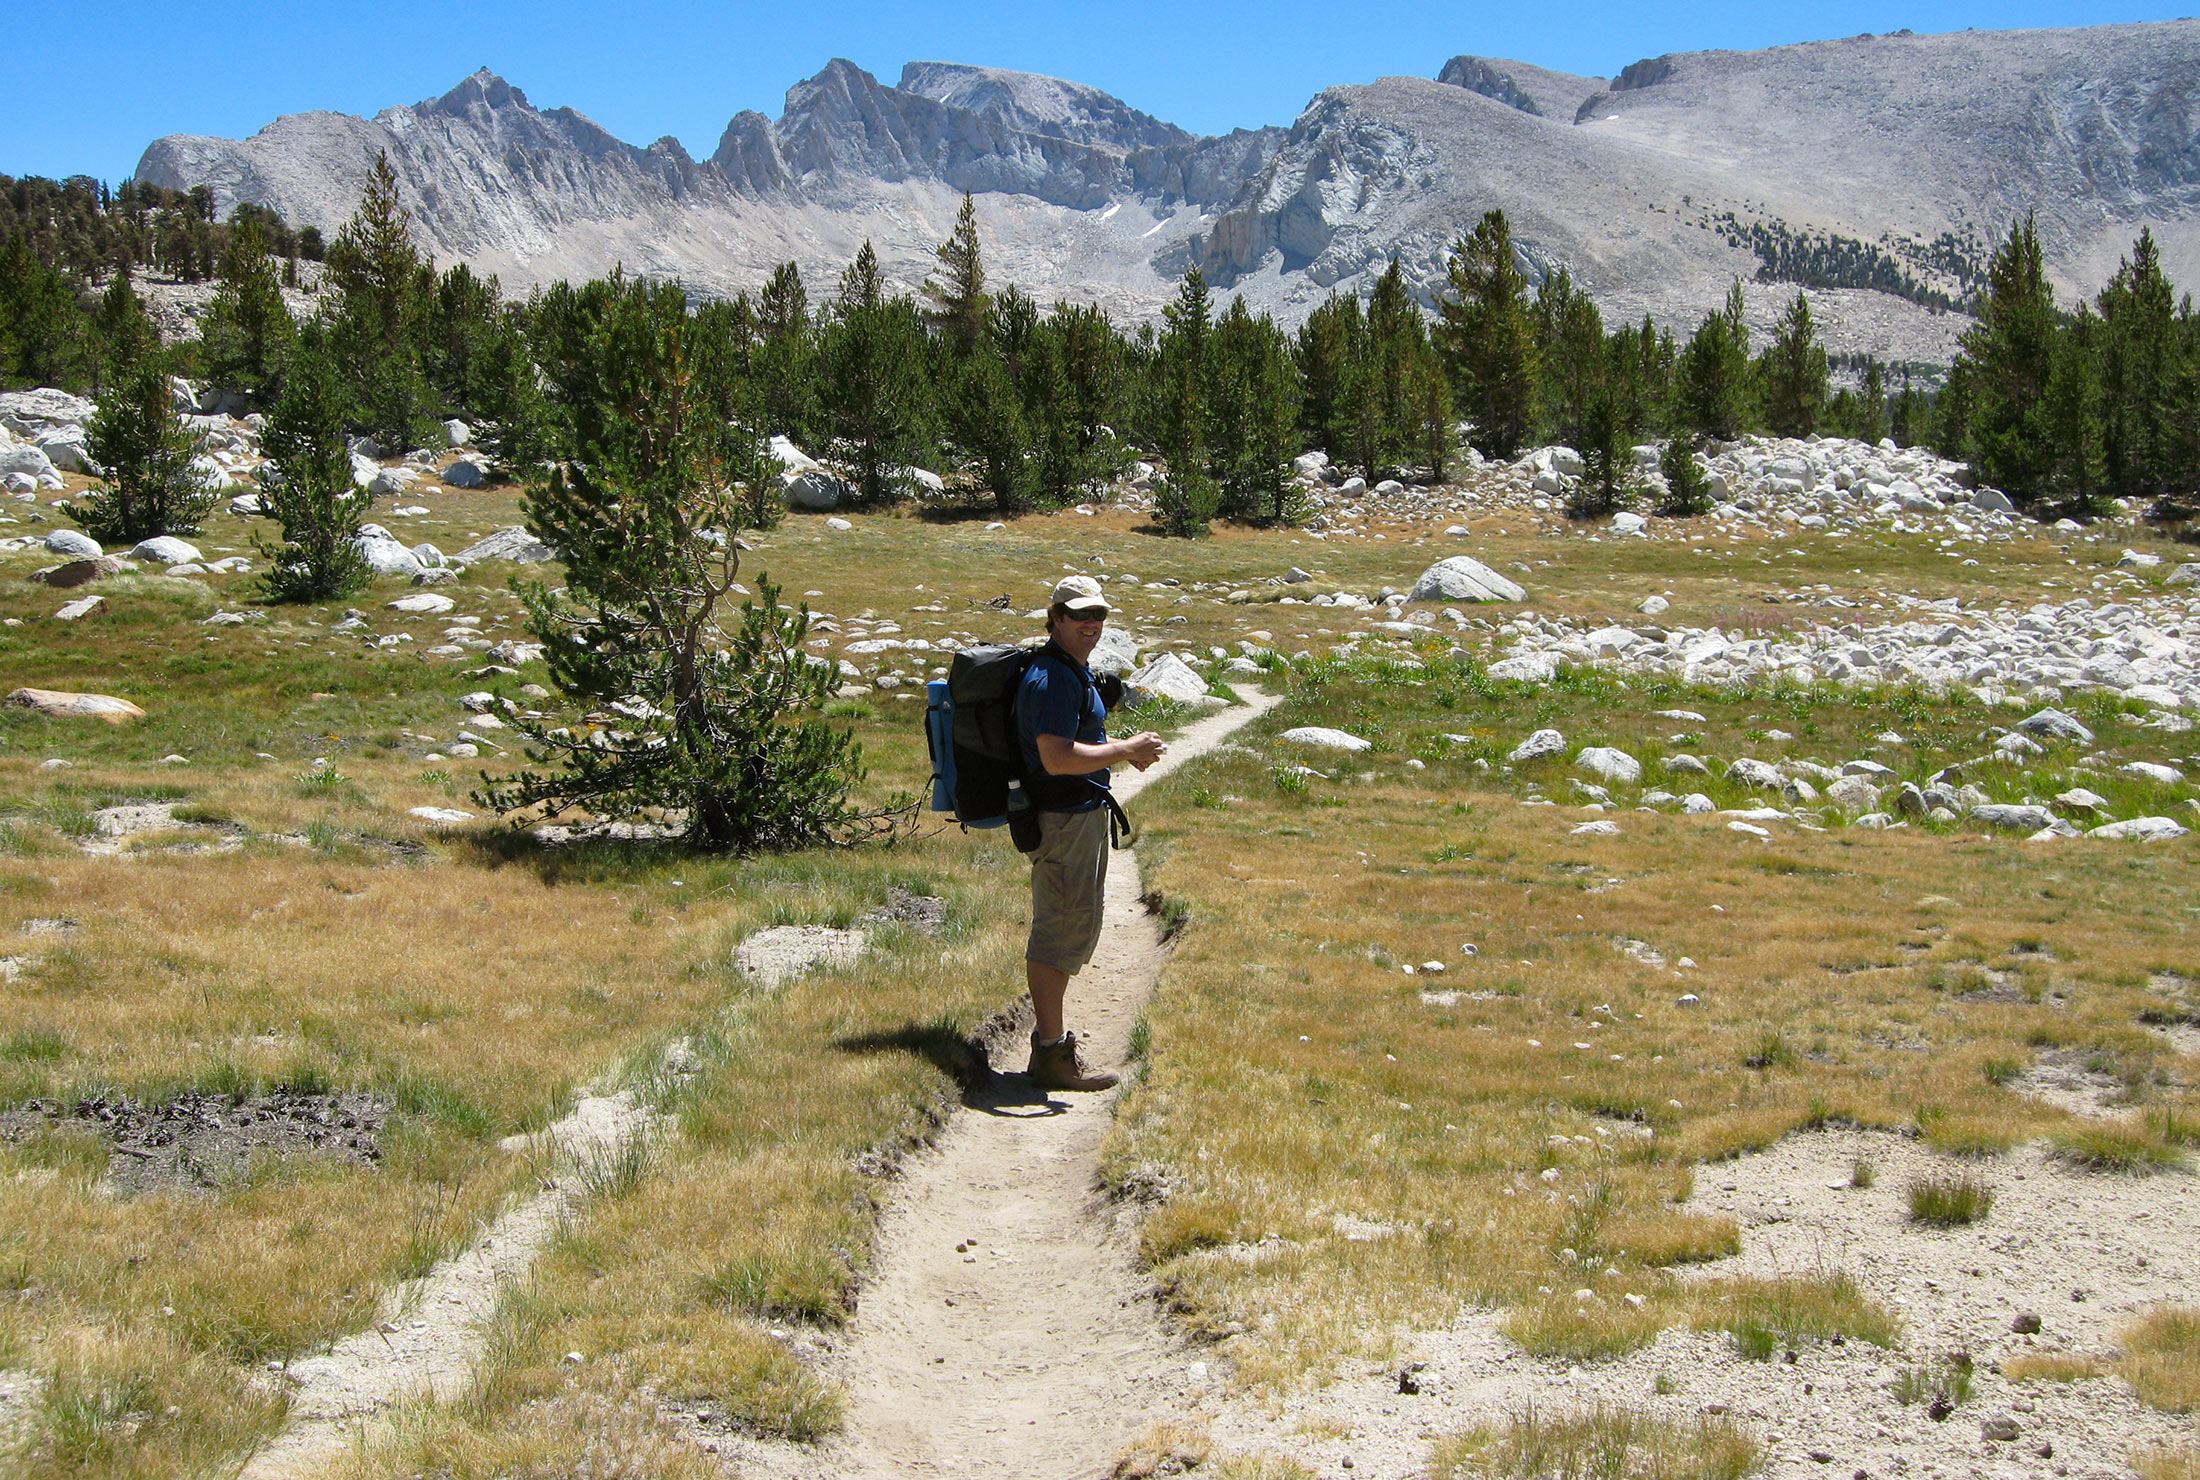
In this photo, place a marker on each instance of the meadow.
(1330, 1150)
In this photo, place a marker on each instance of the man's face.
(1078, 633)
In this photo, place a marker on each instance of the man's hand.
(1143, 750)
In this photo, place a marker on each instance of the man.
(1063, 726)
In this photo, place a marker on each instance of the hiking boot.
(1058, 1065)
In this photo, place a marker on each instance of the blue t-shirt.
(1057, 699)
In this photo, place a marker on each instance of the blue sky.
(113, 76)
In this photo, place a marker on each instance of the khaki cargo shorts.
(1069, 874)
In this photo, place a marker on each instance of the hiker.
(1062, 724)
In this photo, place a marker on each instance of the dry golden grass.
(753, 1214)
(478, 985)
(1264, 1467)
(2178, 1462)
(1167, 1448)
(2049, 1367)
(2162, 1357)
(1608, 1442)
(1525, 1130)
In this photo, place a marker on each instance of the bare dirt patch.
(203, 1142)
(2081, 1252)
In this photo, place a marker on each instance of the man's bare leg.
(1048, 986)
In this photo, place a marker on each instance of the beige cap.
(1080, 594)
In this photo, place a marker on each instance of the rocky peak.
(1478, 76)
(1034, 104)
(484, 89)
(1648, 72)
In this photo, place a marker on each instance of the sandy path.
(428, 1335)
(1033, 1354)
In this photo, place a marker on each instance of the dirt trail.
(428, 1335)
(1031, 1353)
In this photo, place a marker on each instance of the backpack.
(970, 729)
(977, 753)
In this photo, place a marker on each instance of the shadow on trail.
(953, 1052)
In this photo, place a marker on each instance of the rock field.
(2135, 636)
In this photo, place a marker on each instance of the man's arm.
(1063, 756)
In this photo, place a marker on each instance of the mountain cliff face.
(1884, 165)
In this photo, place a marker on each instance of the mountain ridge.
(1654, 188)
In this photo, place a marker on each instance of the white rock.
(1326, 739)
(1526, 668)
(2140, 830)
(791, 459)
(1653, 605)
(2152, 771)
(166, 549)
(1601, 828)
(1750, 828)
(1463, 578)
(1695, 804)
(465, 473)
(386, 557)
(1167, 677)
(1541, 745)
(456, 433)
(2011, 817)
(1854, 793)
(1750, 772)
(1613, 765)
(2053, 724)
(838, 523)
(81, 608)
(444, 815)
(816, 491)
(1626, 523)
(511, 543)
(2078, 799)
(73, 543)
(427, 602)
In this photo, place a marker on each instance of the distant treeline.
(2065, 410)
(1821, 259)
(1033, 406)
(60, 239)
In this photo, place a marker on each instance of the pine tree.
(1488, 340)
(2138, 354)
(961, 308)
(1396, 339)
(248, 327)
(307, 484)
(1187, 499)
(2005, 359)
(1714, 374)
(877, 382)
(1871, 421)
(379, 278)
(1793, 375)
(459, 320)
(1322, 348)
(126, 333)
(1607, 482)
(45, 338)
(2071, 423)
(516, 425)
(1431, 392)
(985, 417)
(786, 363)
(1687, 488)
(147, 485)
(689, 712)
(1252, 401)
